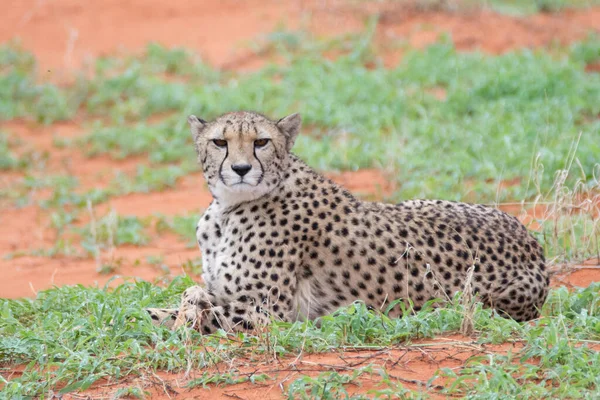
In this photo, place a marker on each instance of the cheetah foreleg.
(201, 310)
(163, 316)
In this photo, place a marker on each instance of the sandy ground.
(64, 34)
(411, 365)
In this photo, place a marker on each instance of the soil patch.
(411, 366)
(63, 34)
(488, 31)
(190, 195)
(26, 275)
(579, 276)
(94, 172)
(369, 184)
(27, 231)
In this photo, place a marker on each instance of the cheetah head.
(243, 154)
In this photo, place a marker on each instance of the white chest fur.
(209, 234)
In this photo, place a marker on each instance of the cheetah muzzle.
(281, 241)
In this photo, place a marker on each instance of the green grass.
(229, 378)
(520, 7)
(64, 187)
(148, 179)
(75, 335)
(517, 8)
(333, 385)
(328, 385)
(14, 159)
(22, 96)
(156, 141)
(558, 361)
(499, 112)
(8, 160)
(114, 230)
(183, 225)
(98, 236)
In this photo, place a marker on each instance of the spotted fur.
(281, 241)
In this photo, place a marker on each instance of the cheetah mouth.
(237, 183)
(241, 184)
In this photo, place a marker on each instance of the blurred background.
(491, 101)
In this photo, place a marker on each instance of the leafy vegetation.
(22, 96)
(114, 230)
(518, 7)
(328, 385)
(148, 179)
(183, 225)
(7, 158)
(77, 335)
(443, 119)
(510, 7)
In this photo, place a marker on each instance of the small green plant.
(193, 267)
(394, 390)
(131, 392)
(22, 96)
(587, 51)
(228, 378)
(158, 262)
(550, 5)
(7, 159)
(101, 237)
(167, 141)
(148, 179)
(327, 385)
(115, 230)
(182, 225)
(521, 8)
(155, 260)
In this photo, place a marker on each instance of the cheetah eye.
(220, 142)
(261, 142)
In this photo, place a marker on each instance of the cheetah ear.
(290, 126)
(197, 125)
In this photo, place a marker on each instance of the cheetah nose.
(241, 169)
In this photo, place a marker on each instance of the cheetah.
(281, 241)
